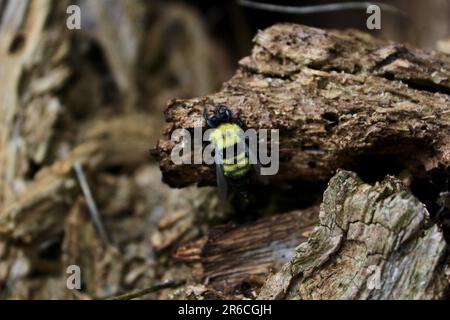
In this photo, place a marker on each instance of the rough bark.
(336, 97)
(371, 242)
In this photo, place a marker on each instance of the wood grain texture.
(236, 258)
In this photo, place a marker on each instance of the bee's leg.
(211, 122)
(228, 116)
(206, 117)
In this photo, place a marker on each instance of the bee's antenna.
(320, 8)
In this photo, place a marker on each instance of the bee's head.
(221, 115)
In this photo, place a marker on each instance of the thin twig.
(319, 8)
(152, 289)
(91, 203)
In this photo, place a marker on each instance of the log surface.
(336, 97)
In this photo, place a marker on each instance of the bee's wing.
(257, 167)
(221, 180)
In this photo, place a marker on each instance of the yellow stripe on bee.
(226, 135)
(238, 169)
(236, 164)
(239, 159)
(235, 171)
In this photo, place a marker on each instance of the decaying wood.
(118, 27)
(154, 59)
(336, 97)
(104, 143)
(94, 96)
(32, 53)
(372, 242)
(102, 265)
(238, 258)
(171, 229)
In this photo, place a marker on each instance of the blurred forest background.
(95, 98)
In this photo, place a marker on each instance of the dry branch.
(336, 97)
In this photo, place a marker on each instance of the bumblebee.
(231, 151)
